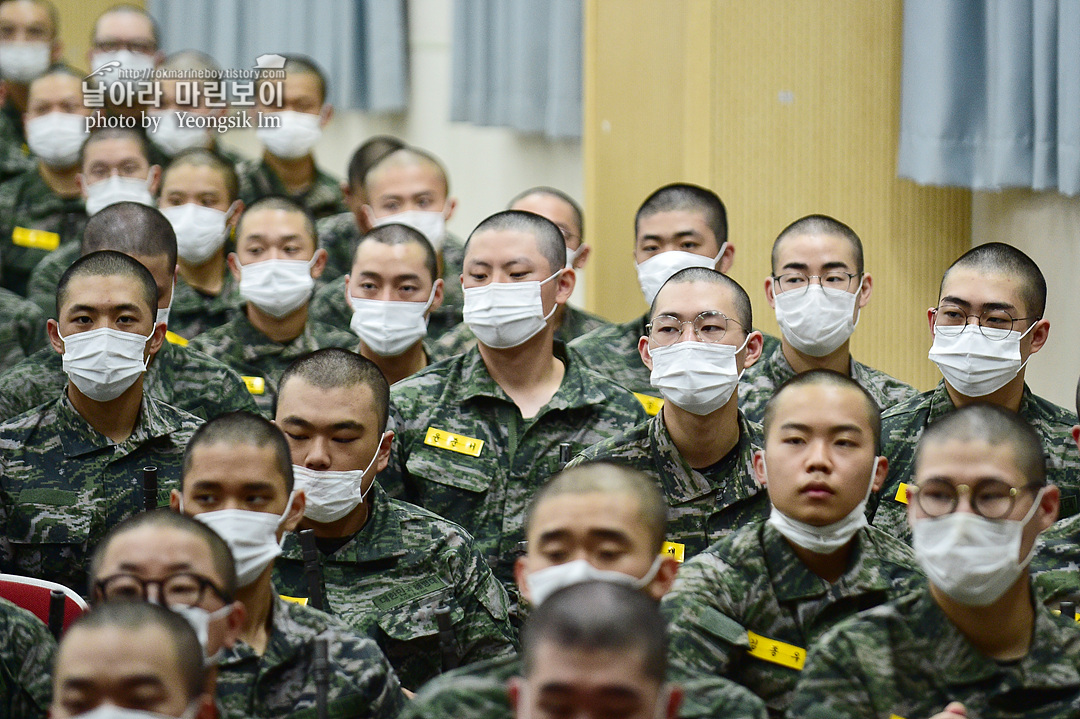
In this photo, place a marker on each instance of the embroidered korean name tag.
(651, 404)
(175, 339)
(674, 550)
(302, 601)
(454, 442)
(895, 716)
(37, 239)
(901, 493)
(255, 385)
(777, 652)
(400, 595)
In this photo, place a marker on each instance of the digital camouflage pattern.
(389, 579)
(22, 329)
(702, 506)
(41, 288)
(281, 682)
(257, 180)
(1055, 568)
(906, 659)
(27, 202)
(487, 494)
(752, 580)
(575, 323)
(15, 157)
(479, 692)
(902, 426)
(63, 485)
(194, 313)
(259, 359)
(761, 380)
(338, 235)
(26, 663)
(178, 376)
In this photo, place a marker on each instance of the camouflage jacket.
(63, 485)
(751, 587)
(22, 329)
(902, 426)
(41, 287)
(26, 663)
(257, 180)
(34, 221)
(575, 323)
(479, 692)
(764, 377)
(338, 235)
(15, 157)
(178, 376)
(703, 505)
(260, 360)
(1055, 568)
(906, 659)
(194, 313)
(281, 682)
(388, 580)
(464, 451)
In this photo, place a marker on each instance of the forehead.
(821, 406)
(113, 149)
(669, 222)
(234, 464)
(323, 406)
(149, 551)
(273, 222)
(962, 461)
(24, 12)
(408, 258)
(497, 246)
(814, 249)
(978, 287)
(56, 85)
(124, 26)
(301, 85)
(103, 290)
(548, 206)
(689, 299)
(193, 178)
(591, 511)
(599, 672)
(406, 179)
(109, 655)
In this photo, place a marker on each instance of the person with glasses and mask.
(818, 288)
(987, 324)
(971, 642)
(699, 447)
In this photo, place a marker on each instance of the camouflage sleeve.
(26, 659)
(846, 676)
(41, 287)
(714, 697)
(232, 394)
(468, 698)
(486, 633)
(392, 479)
(375, 690)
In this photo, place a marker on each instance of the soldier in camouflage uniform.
(474, 448)
(698, 448)
(387, 566)
(287, 166)
(270, 671)
(26, 661)
(22, 328)
(274, 328)
(71, 469)
(991, 306)
(816, 322)
(748, 607)
(42, 209)
(971, 643)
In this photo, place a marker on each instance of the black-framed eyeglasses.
(990, 498)
(709, 326)
(950, 320)
(135, 46)
(798, 282)
(183, 589)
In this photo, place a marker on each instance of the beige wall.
(783, 108)
(77, 23)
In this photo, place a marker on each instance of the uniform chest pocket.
(415, 619)
(451, 469)
(49, 516)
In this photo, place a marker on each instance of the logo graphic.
(270, 61)
(111, 65)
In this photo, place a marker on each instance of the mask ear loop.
(364, 493)
(544, 282)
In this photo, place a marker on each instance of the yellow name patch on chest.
(901, 493)
(454, 442)
(777, 652)
(255, 385)
(674, 550)
(175, 339)
(651, 404)
(302, 601)
(36, 239)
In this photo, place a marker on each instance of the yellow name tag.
(771, 650)
(454, 442)
(175, 339)
(901, 493)
(674, 550)
(895, 716)
(302, 601)
(37, 239)
(651, 404)
(255, 385)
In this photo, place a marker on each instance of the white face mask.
(831, 537)
(111, 711)
(21, 62)
(277, 287)
(137, 61)
(251, 536)
(172, 137)
(658, 269)
(431, 225)
(545, 582)
(298, 133)
(572, 255)
(818, 321)
(506, 314)
(389, 328)
(332, 495)
(200, 619)
(56, 138)
(974, 365)
(974, 560)
(698, 377)
(200, 231)
(104, 363)
(103, 193)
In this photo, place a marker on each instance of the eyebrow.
(600, 533)
(803, 267)
(124, 307)
(676, 235)
(132, 568)
(301, 422)
(959, 301)
(832, 429)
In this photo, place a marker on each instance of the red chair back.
(54, 604)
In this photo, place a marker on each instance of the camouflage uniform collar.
(799, 583)
(286, 639)
(779, 370)
(257, 344)
(941, 404)
(46, 200)
(378, 539)
(186, 296)
(77, 437)
(689, 484)
(324, 191)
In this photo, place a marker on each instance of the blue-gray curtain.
(990, 94)
(362, 45)
(517, 63)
